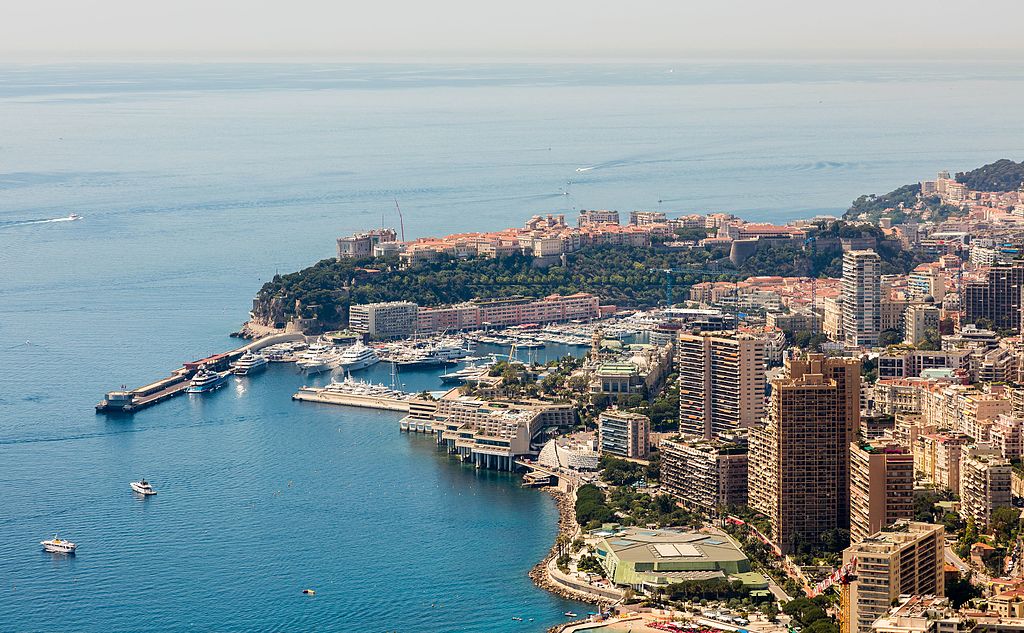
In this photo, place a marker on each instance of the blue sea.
(197, 183)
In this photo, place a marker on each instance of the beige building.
(862, 298)
(919, 614)
(908, 560)
(881, 487)
(721, 382)
(937, 459)
(799, 463)
(984, 484)
(624, 434)
(918, 319)
(393, 319)
(705, 474)
(832, 318)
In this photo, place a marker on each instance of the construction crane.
(842, 577)
(703, 272)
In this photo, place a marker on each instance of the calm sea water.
(197, 183)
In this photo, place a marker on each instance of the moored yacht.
(317, 362)
(249, 363)
(142, 487)
(206, 380)
(358, 356)
(58, 546)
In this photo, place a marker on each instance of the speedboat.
(358, 356)
(74, 216)
(250, 363)
(205, 380)
(58, 546)
(142, 487)
(570, 614)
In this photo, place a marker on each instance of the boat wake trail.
(13, 223)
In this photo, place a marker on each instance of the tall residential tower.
(799, 462)
(862, 296)
(721, 382)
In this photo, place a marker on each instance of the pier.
(386, 403)
(132, 400)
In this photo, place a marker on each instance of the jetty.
(127, 400)
(322, 395)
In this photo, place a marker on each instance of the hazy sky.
(127, 29)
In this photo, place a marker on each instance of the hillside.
(620, 275)
(1002, 175)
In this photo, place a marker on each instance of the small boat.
(570, 614)
(58, 546)
(74, 216)
(517, 618)
(142, 487)
(309, 592)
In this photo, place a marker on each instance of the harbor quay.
(130, 400)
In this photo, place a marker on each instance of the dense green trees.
(591, 507)
(875, 205)
(712, 589)
(810, 615)
(621, 275)
(1002, 175)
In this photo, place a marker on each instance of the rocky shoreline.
(567, 529)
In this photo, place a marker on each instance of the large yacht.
(58, 546)
(469, 373)
(206, 380)
(315, 362)
(358, 356)
(142, 487)
(441, 353)
(250, 363)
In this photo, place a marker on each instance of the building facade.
(984, 484)
(393, 319)
(862, 297)
(918, 319)
(708, 475)
(721, 382)
(997, 298)
(907, 560)
(624, 434)
(881, 487)
(799, 463)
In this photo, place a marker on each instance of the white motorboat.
(142, 487)
(58, 546)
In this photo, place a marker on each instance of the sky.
(127, 30)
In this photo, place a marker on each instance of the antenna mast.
(401, 221)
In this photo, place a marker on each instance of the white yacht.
(249, 363)
(142, 487)
(205, 380)
(58, 546)
(318, 362)
(358, 356)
